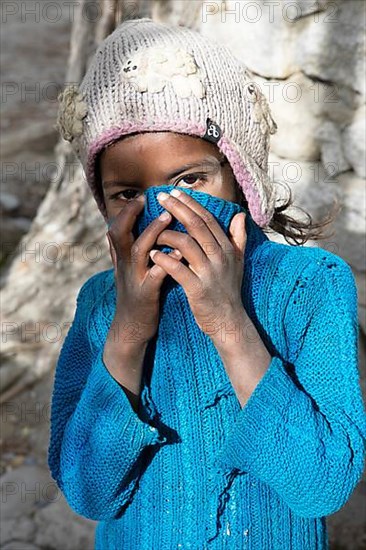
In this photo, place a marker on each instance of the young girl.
(207, 394)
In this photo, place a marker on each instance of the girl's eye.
(120, 195)
(191, 179)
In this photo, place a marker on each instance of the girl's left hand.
(212, 281)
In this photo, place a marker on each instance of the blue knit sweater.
(193, 469)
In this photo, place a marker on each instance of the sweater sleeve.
(97, 440)
(303, 429)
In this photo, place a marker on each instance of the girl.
(207, 394)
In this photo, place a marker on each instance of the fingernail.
(162, 196)
(152, 253)
(175, 193)
(164, 216)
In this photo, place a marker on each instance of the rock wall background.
(309, 59)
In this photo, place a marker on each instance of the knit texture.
(149, 77)
(193, 469)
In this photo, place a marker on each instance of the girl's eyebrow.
(206, 162)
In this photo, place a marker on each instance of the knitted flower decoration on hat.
(71, 113)
(150, 77)
(152, 68)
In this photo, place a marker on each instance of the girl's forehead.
(145, 141)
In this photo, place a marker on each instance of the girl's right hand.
(138, 286)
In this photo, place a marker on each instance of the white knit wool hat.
(148, 76)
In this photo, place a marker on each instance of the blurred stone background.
(309, 59)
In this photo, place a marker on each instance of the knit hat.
(148, 76)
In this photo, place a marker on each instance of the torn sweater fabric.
(192, 469)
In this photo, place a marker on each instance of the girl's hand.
(212, 281)
(138, 286)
